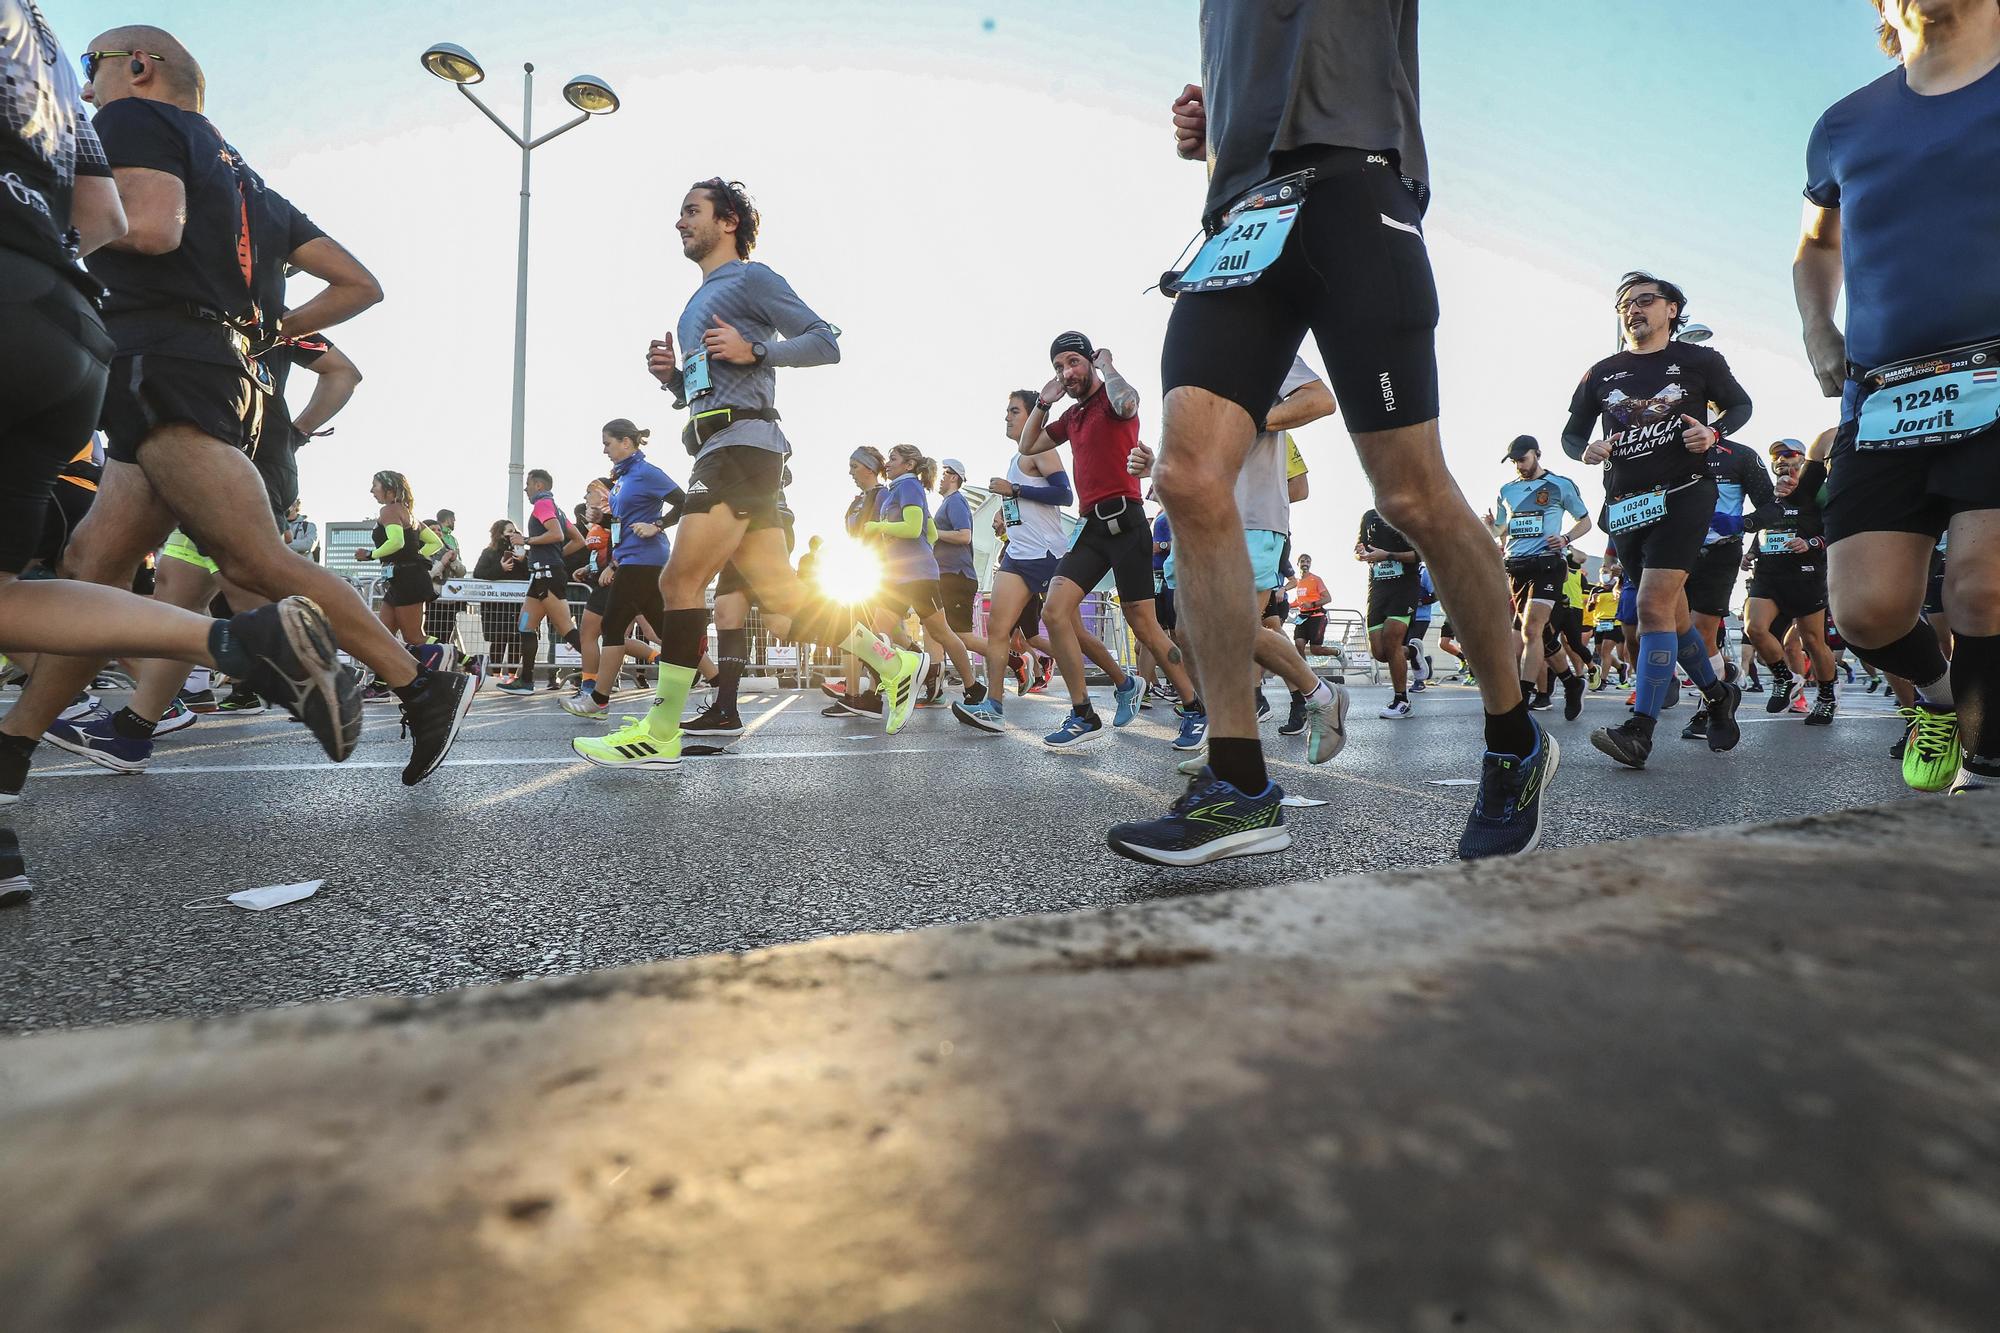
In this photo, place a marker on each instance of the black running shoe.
(1540, 702)
(1212, 821)
(714, 722)
(242, 700)
(1626, 743)
(1572, 698)
(868, 704)
(14, 886)
(1782, 694)
(432, 720)
(1697, 727)
(1506, 817)
(1295, 721)
(1822, 712)
(296, 666)
(1723, 733)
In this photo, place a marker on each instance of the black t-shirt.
(546, 557)
(1640, 398)
(281, 230)
(214, 267)
(1797, 515)
(1376, 532)
(45, 140)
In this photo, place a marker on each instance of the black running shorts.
(1536, 578)
(919, 595)
(408, 584)
(1908, 490)
(599, 600)
(53, 358)
(1355, 273)
(276, 455)
(1163, 606)
(731, 581)
(635, 592)
(1311, 629)
(744, 480)
(1674, 542)
(961, 594)
(548, 583)
(1795, 595)
(1127, 556)
(1713, 581)
(149, 391)
(1392, 599)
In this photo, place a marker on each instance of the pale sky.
(954, 183)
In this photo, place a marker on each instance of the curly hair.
(1885, 33)
(398, 487)
(732, 204)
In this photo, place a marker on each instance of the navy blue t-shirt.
(954, 514)
(1917, 183)
(1163, 534)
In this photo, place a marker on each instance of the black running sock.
(21, 745)
(683, 636)
(975, 693)
(599, 697)
(1194, 706)
(1781, 672)
(1511, 732)
(1825, 689)
(231, 657)
(1915, 657)
(1402, 697)
(1566, 676)
(418, 683)
(1298, 698)
(131, 726)
(1642, 724)
(1238, 762)
(1975, 683)
(531, 644)
(732, 654)
(574, 638)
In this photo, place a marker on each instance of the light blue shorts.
(1267, 551)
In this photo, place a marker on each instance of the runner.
(1103, 428)
(1568, 657)
(181, 388)
(1910, 236)
(1607, 637)
(740, 327)
(902, 523)
(595, 574)
(62, 203)
(550, 539)
(1357, 274)
(1530, 512)
(958, 577)
(405, 551)
(864, 469)
(1309, 600)
(1393, 590)
(1739, 475)
(1788, 577)
(643, 503)
(1653, 400)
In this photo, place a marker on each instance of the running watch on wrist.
(758, 352)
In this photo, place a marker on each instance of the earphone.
(138, 68)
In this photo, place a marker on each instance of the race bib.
(1011, 508)
(1387, 569)
(1636, 511)
(616, 529)
(1606, 626)
(695, 382)
(1524, 525)
(1159, 580)
(1773, 542)
(1930, 401)
(1250, 239)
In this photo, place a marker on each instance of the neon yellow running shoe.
(1931, 758)
(632, 746)
(899, 694)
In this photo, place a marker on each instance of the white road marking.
(89, 770)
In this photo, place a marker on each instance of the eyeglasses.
(1642, 301)
(92, 59)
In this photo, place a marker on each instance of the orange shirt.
(1310, 595)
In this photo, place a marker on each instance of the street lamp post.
(591, 96)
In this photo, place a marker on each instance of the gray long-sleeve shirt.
(763, 308)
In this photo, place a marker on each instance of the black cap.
(1071, 341)
(1520, 447)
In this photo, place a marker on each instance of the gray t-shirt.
(1338, 73)
(1263, 493)
(763, 308)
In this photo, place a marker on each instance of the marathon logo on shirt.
(1649, 423)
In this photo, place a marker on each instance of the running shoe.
(112, 679)
(84, 705)
(96, 738)
(519, 687)
(1211, 821)
(1902, 745)
(1932, 758)
(639, 678)
(582, 705)
(1506, 818)
(865, 705)
(296, 665)
(1723, 731)
(714, 722)
(178, 717)
(1017, 666)
(1295, 720)
(1399, 708)
(1799, 704)
(1756, 685)
(242, 701)
(1673, 691)
(1968, 780)
(1326, 724)
(899, 693)
(1697, 727)
(434, 656)
(632, 746)
(1848, 667)
(201, 701)
(1539, 702)
(1874, 684)
(1263, 707)
(1194, 730)
(833, 689)
(1045, 671)
(13, 774)
(836, 710)
(476, 667)
(378, 693)
(1420, 663)
(1625, 742)
(1418, 687)
(1126, 700)
(1078, 732)
(432, 720)
(1165, 690)
(1193, 764)
(1572, 697)
(1822, 711)
(1596, 681)
(1782, 694)
(1632, 697)
(15, 887)
(985, 715)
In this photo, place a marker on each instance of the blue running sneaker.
(96, 739)
(1506, 817)
(1076, 733)
(1210, 822)
(985, 715)
(1126, 697)
(1194, 730)
(434, 656)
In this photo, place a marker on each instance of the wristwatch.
(759, 351)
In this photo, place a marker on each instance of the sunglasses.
(1642, 301)
(92, 59)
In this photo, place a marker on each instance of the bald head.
(171, 73)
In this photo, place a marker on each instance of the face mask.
(261, 900)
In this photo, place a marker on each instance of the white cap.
(953, 465)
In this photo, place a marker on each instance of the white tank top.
(1040, 532)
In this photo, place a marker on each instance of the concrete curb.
(1745, 1078)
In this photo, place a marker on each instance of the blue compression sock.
(1694, 656)
(1656, 672)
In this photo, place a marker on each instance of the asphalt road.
(518, 860)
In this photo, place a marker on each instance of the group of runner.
(1318, 182)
